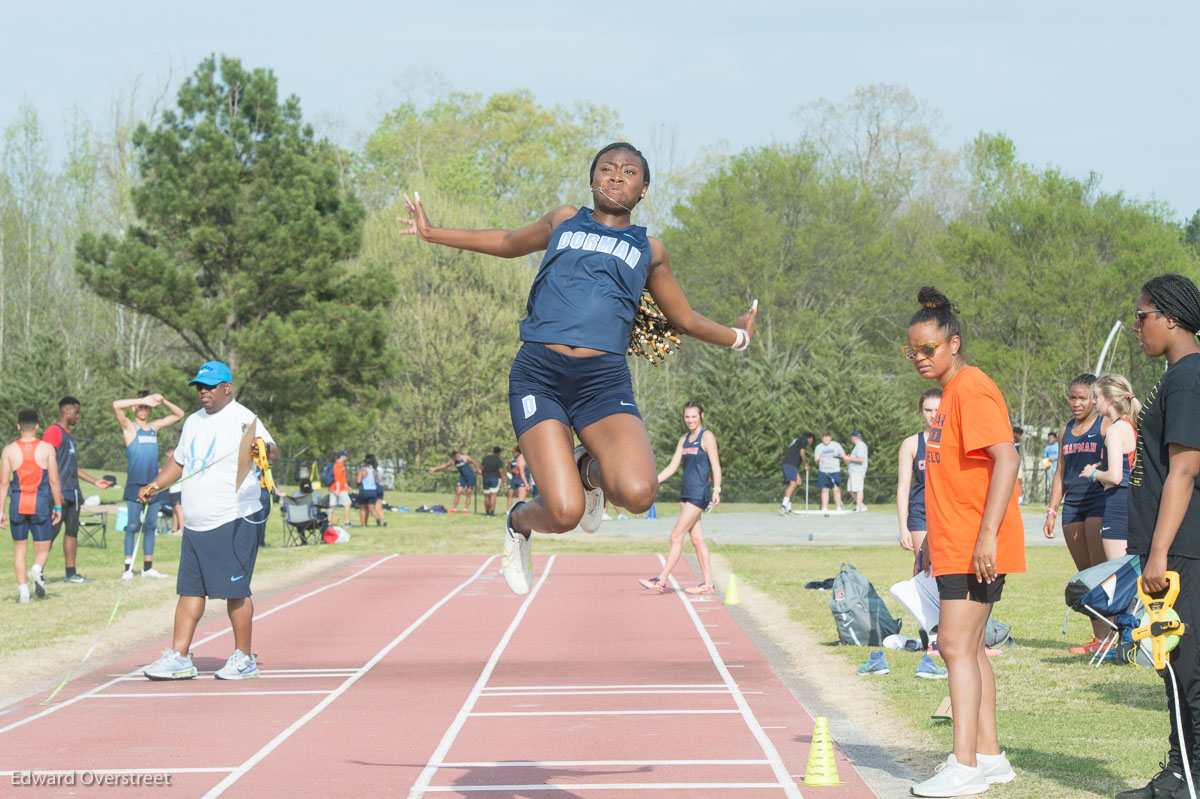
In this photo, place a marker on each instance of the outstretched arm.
(669, 296)
(502, 243)
(675, 459)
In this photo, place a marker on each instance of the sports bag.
(327, 474)
(861, 617)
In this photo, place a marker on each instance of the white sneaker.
(127, 575)
(952, 779)
(240, 666)
(154, 573)
(516, 563)
(593, 501)
(606, 518)
(23, 599)
(39, 582)
(171, 666)
(996, 768)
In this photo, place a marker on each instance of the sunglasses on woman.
(926, 350)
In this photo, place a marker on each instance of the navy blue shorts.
(829, 479)
(790, 473)
(1072, 513)
(23, 524)
(218, 563)
(700, 502)
(544, 384)
(515, 483)
(466, 481)
(491, 484)
(1116, 515)
(367, 497)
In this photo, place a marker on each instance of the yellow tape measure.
(1163, 626)
(259, 454)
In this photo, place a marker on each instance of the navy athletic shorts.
(544, 384)
(790, 473)
(1116, 515)
(829, 479)
(1072, 513)
(23, 524)
(700, 502)
(218, 563)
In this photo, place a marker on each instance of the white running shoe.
(240, 666)
(516, 563)
(154, 573)
(996, 768)
(952, 779)
(593, 501)
(39, 582)
(23, 599)
(171, 666)
(127, 575)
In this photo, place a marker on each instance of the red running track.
(424, 676)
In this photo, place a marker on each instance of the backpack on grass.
(861, 617)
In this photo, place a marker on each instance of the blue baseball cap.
(211, 374)
(856, 434)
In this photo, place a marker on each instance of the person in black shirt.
(493, 474)
(1164, 503)
(795, 457)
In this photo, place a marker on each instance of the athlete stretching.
(570, 372)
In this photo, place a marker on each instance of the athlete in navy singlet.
(516, 477)
(1116, 403)
(1082, 512)
(696, 452)
(466, 467)
(910, 486)
(141, 451)
(570, 373)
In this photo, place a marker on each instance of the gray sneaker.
(78, 578)
(240, 666)
(516, 563)
(593, 501)
(171, 666)
(39, 583)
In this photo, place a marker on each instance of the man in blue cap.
(222, 521)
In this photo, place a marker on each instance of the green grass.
(1071, 731)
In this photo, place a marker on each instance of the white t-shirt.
(208, 449)
(859, 451)
(829, 456)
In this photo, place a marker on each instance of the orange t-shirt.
(339, 477)
(972, 417)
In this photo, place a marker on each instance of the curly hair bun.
(930, 297)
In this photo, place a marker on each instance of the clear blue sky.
(1103, 86)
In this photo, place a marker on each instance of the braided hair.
(936, 308)
(1177, 297)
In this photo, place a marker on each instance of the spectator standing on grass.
(1050, 459)
(59, 436)
(975, 537)
(828, 455)
(856, 469)
(368, 491)
(220, 540)
(493, 473)
(795, 460)
(36, 501)
(141, 451)
(339, 489)
(1115, 401)
(1164, 504)
(910, 485)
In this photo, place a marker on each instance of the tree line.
(217, 224)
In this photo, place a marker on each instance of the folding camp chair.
(93, 529)
(1105, 590)
(300, 520)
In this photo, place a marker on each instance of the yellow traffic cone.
(822, 769)
(731, 593)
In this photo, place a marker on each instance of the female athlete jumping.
(570, 372)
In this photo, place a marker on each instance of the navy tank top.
(916, 491)
(587, 289)
(464, 469)
(1077, 452)
(68, 467)
(696, 467)
(142, 454)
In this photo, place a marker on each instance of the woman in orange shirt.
(975, 537)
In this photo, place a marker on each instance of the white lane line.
(277, 674)
(723, 686)
(578, 763)
(274, 743)
(777, 766)
(570, 787)
(271, 675)
(658, 692)
(56, 772)
(421, 785)
(200, 694)
(67, 703)
(610, 713)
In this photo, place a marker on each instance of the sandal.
(703, 588)
(654, 584)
